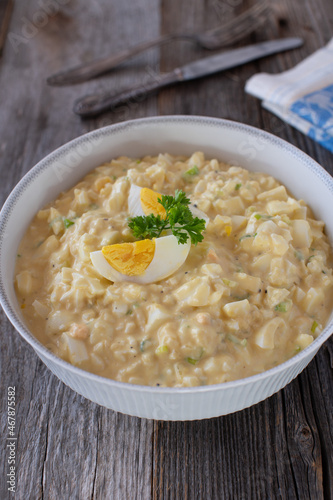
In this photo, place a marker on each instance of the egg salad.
(118, 278)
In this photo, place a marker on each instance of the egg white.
(168, 257)
(196, 212)
(134, 201)
(135, 207)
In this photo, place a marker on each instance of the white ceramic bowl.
(228, 141)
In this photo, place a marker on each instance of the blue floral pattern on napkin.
(317, 109)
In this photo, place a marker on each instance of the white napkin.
(302, 96)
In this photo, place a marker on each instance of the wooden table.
(68, 447)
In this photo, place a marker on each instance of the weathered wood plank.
(319, 384)
(6, 8)
(272, 450)
(67, 446)
(276, 449)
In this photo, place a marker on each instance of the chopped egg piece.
(144, 201)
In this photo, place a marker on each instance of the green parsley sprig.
(179, 219)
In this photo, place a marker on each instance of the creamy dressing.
(255, 292)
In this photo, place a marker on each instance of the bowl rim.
(56, 154)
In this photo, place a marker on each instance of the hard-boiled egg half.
(144, 261)
(144, 201)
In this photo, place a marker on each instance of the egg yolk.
(131, 259)
(150, 204)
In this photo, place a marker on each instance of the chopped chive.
(162, 349)
(238, 186)
(192, 361)
(138, 161)
(142, 345)
(129, 312)
(192, 171)
(298, 254)
(310, 258)
(283, 306)
(247, 236)
(145, 344)
(236, 340)
(263, 216)
(68, 223)
(39, 243)
(314, 326)
(298, 349)
(19, 255)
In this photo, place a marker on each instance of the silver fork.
(222, 36)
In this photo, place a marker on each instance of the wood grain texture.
(68, 447)
(6, 8)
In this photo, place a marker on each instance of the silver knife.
(94, 104)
